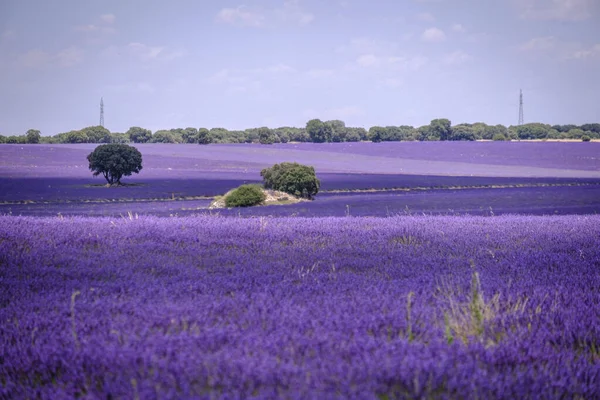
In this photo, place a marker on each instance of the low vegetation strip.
(459, 187)
(278, 197)
(365, 308)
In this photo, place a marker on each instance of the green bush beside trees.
(245, 196)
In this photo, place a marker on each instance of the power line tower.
(521, 119)
(101, 111)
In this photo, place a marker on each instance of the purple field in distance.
(319, 308)
(45, 179)
(534, 154)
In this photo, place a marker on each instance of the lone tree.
(115, 161)
(293, 178)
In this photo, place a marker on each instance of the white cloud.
(393, 82)
(320, 73)
(103, 26)
(241, 16)
(69, 57)
(426, 17)
(251, 79)
(145, 52)
(108, 18)
(550, 46)
(457, 58)
(37, 58)
(279, 68)
(367, 46)
(559, 10)
(142, 52)
(8, 34)
(539, 44)
(290, 13)
(591, 52)
(413, 63)
(433, 35)
(459, 28)
(368, 60)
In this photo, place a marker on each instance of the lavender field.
(481, 178)
(365, 308)
(465, 271)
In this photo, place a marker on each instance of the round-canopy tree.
(114, 161)
(293, 178)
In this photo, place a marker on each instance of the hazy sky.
(247, 63)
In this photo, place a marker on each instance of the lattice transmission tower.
(521, 118)
(101, 111)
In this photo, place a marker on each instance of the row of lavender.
(554, 200)
(206, 307)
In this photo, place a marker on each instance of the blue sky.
(247, 63)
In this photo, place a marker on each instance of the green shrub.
(245, 196)
(586, 138)
(292, 178)
(499, 137)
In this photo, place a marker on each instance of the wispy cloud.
(539, 44)
(426, 17)
(559, 10)
(317, 73)
(108, 18)
(433, 35)
(363, 45)
(591, 52)
(7, 34)
(293, 13)
(550, 46)
(142, 52)
(104, 24)
(251, 79)
(37, 58)
(459, 28)
(241, 16)
(290, 13)
(369, 60)
(69, 57)
(457, 58)
(392, 82)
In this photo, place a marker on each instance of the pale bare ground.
(272, 197)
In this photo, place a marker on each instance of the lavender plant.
(366, 308)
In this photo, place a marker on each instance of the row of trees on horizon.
(317, 131)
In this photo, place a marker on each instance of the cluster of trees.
(291, 178)
(318, 131)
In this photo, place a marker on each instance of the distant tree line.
(318, 131)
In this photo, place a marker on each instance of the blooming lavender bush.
(365, 308)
